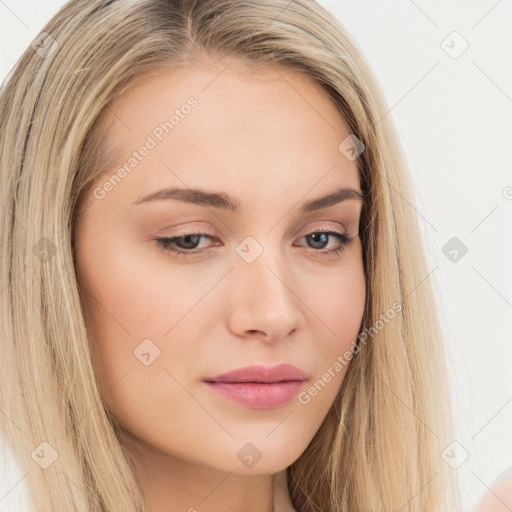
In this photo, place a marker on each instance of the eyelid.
(203, 227)
(325, 226)
(189, 230)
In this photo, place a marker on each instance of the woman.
(216, 293)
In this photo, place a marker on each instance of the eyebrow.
(225, 202)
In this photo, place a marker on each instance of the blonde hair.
(380, 446)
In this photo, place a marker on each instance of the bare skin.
(497, 499)
(270, 141)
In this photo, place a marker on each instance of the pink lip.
(258, 395)
(259, 387)
(260, 373)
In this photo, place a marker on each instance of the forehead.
(230, 122)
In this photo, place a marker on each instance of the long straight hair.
(380, 446)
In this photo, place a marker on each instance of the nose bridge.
(262, 264)
(264, 299)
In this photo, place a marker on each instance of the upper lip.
(258, 373)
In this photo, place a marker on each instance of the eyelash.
(167, 243)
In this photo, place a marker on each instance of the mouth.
(259, 387)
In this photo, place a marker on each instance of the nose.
(263, 303)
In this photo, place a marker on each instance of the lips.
(259, 387)
(258, 373)
(258, 395)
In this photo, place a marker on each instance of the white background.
(454, 117)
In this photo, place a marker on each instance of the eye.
(185, 245)
(188, 241)
(322, 238)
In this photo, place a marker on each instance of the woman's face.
(250, 286)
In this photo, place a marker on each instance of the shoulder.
(499, 496)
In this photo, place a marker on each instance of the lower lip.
(258, 395)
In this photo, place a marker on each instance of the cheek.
(132, 290)
(130, 297)
(339, 304)
(131, 303)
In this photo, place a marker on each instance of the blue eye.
(321, 236)
(185, 245)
